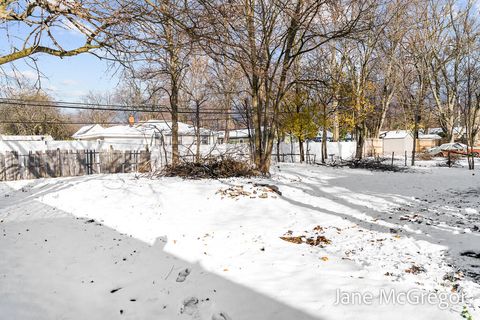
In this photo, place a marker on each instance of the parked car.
(455, 148)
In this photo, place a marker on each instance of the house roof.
(141, 130)
(238, 133)
(429, 136)
(456, 130)
(90, 129)
(166, 127)
(398, 134)
(402, 134)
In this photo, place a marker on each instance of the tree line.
(280, 68)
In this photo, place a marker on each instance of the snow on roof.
(237, 133)
(121, 131)
(25, 138)
(166, 127)
(402, 134)
(147, 128)
(456, 130)
(429, 136)
(434, 130)
(87, 129)
(398, 134)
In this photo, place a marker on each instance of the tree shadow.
(74, 268)
(392, 222)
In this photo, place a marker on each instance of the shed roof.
(398, 134)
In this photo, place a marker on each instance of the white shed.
(397, 142)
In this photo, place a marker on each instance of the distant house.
(399, 141)
(84, 132)
(235, 136)
(458, 132)
(149, 133)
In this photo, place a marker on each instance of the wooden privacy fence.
(66, 163)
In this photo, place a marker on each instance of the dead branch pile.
(212, 168)
(376, 164)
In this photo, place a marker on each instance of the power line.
(108, 107)
(59, 122)
(100, 122)
(118, 108)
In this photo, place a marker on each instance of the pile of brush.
(212, 168)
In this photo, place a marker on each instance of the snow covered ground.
(128, 247)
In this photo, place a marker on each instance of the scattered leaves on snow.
(256, 191)
(314, 240)
(414, 269)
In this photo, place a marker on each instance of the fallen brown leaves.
(297, 240)
(318, 241)
(414, 269)
(235, 192)
(314, 241)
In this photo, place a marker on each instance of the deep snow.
(118, 246)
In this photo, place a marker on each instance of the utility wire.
(106, 107)
(90, 122)
(114, 107)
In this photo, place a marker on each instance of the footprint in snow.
(182, 275)
(189, 306)
(221, 316)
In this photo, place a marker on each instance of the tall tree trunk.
(174, 113)
(278, 146)
(197, 125)
(336, 124)
(415, 136)
(324, 144)
(360, 135)
(301, 150)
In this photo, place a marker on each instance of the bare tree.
(468, 30)
(102, 117)
(30, 112)
(42, 21)
(265, 38)
(197, 90)
(158, 53)
(389, 53)
(445, 48)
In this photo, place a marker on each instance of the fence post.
(393, 155)
(59, 162)
(449, 160)
(405, 158)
